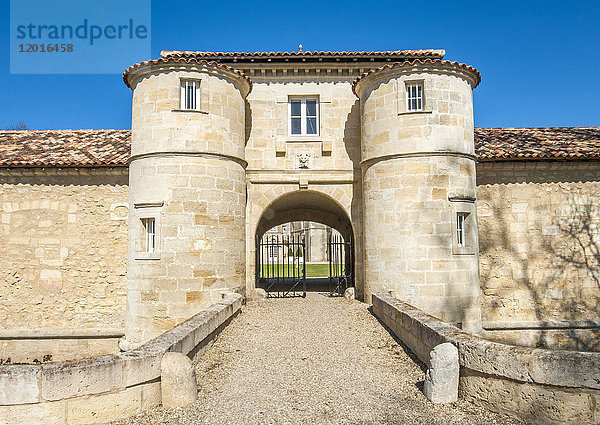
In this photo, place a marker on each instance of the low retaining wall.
(578, 335)
(44, 346)
(106, 388)
(543, 386)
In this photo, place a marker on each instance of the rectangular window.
(190, 95)
(149, 242)
(461, 234)
(414, 96)
(273, 251)
(304, 116)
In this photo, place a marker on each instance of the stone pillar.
(441, 380)
(187, 172)
(177, 381)
(418, 175)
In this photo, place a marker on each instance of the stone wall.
(107, 388)
(539, 245)
(186, 175)
(418, 176)
(279, 184)
(64, 248)
(543, 386)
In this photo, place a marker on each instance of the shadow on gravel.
(420, 384)
(410, 354)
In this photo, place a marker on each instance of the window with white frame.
(273, 251)
(414, 96)
(148, 235)
(190, 95)
(461, 229)
(304, 116)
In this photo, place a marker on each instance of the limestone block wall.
(418, 175)
(199, 230)
(542, 386)
(539, 245)
(332, 164)
(64, 250)
(187, 173)
(270, 146)
(106, 388)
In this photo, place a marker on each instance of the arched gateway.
(285, 273)
(378, 145)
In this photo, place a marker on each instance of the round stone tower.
(418, 165)
(187, 191)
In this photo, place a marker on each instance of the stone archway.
(304, 205)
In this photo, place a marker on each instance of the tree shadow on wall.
(575, 246)
(544, 262)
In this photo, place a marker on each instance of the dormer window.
(303, 116)
(414, 96)
(190, 95)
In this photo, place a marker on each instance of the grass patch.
(312, 270)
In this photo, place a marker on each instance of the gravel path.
(317, 360)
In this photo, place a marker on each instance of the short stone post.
(441, 380)
(349, 293)
(177, 380)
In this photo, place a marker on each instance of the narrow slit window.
(414, 96)
(149, 242)
(190, 95)
(461, 239)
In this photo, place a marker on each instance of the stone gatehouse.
(111, 229)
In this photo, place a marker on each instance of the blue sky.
(540, 60)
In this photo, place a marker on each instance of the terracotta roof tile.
(434, 53)
(183, 59)
(427, 61)
(496, 144)
(64, 148)
(111, 148)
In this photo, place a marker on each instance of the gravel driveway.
(317, 360)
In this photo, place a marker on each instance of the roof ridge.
(432, 52)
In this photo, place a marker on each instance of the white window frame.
(461, 229)
(415, 99)
(190, 94)
(149, 235)
(303, 116)
(464, 227)
(273, 252)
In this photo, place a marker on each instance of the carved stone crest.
(303, 159)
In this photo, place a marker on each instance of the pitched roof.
(111, 148)
(549, 143)
(394, 55)
(64, 148)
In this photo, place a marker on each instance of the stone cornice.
(141, 69)
(369, 162)
(167, 154)
(436, 66)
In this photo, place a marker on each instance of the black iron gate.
(281, 265)
(340, 254)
